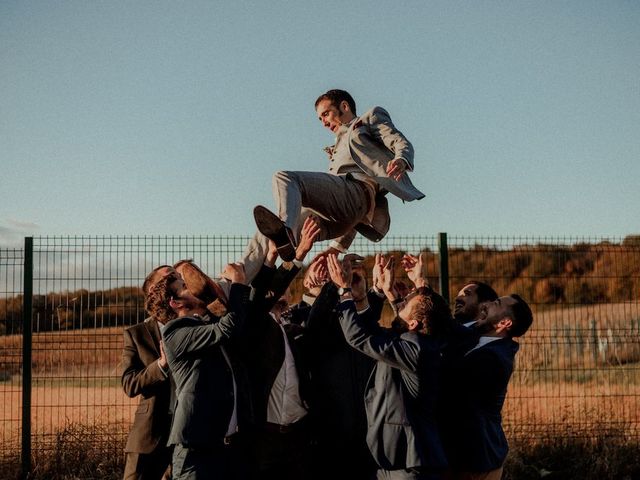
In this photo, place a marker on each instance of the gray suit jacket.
(203, 377)
(400, 398)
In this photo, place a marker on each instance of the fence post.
(27, 308)
(444, 265)
(595, 341)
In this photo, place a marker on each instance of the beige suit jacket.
(374, 142)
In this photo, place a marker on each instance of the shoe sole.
(270, 225)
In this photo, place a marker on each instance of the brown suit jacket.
(142, 376)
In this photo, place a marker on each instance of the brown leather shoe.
(270, 225)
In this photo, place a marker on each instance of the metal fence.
(64, 302)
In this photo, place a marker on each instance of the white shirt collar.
(482, 342)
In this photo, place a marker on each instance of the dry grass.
(586, 337)
(569, 458)
(563, 410)
(93, 352)
(56, 408)
(76, 451)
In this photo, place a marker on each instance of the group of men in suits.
(233, 387)
(421, 400)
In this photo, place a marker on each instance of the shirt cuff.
(409, 168)
(337, 246)
(164, 371)
(379, 293)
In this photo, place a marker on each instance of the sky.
(170, 118)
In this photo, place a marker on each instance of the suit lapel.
(153, 333)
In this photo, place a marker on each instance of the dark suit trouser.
(147, 466)
(354, 461)
(407, 474)
(283, 456)
(492, 475)
(221, 462)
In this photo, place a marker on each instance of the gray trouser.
(339, 203)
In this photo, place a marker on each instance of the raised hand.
(328, 251)
(414, 267)
(272, 254)
(317, 275)
(396, 168)
(162, 361)
(389, 277)
(308, 235)
(377, 272)
(340, 272)
(234, 272)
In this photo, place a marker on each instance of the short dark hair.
(337, 97)
(521, 317)
(484, 291)
(360, 275)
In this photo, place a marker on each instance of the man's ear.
(175, 304)
(344, 107)
(504, 325)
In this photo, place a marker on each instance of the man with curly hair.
(145, 374)
(212, 402)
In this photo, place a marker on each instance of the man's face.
(406, 310)
(491, 313)
(331, 116)
(181, 293)
(466, 307)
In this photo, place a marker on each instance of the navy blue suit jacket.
(474, 390)
(400, 398)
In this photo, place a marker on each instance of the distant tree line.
(70, 310)
(544, 274)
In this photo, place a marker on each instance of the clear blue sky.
(164, 117)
